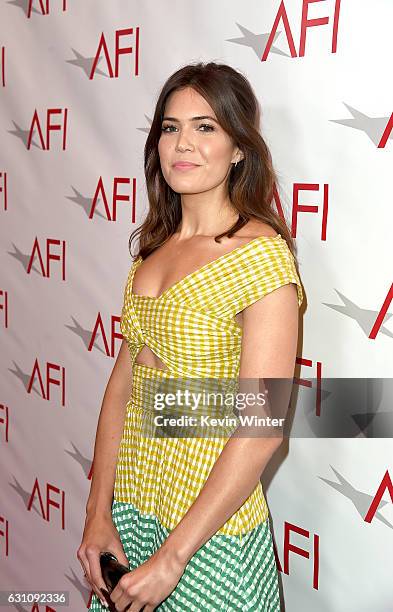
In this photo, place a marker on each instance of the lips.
(184, 165)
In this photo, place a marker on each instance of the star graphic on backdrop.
(24, 378)
(257, 42)
(85, 203)
(78, 584)
(23, 259)
(84, 462)
(24, 136)
(361, 501)
(25, 496)
(85, 335)
(24, 6)
(86, 63)
(365, 317)
(372, 126)
(146, 130)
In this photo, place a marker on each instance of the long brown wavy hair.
(250, 183)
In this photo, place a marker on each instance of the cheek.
(216, 152)
(163, 150)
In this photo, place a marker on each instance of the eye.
(168, 127)
(165, 127)
(207, 125)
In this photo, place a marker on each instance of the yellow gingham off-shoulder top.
(191, 328)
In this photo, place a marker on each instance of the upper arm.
(267, 268)
(270, 335)
(121, 377)
(269, 293)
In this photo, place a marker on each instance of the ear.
(238, 156)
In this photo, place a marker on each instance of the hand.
(99, 535)
(149, 584)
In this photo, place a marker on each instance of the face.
(200, 142)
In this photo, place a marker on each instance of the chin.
(184, 187)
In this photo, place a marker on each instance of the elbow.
(277, 441)
(272, 444)
(264, 448)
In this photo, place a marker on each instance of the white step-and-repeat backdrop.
(78, 85)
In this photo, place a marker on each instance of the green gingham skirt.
(226, 574)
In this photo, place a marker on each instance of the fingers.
(86, 558)
(85, 565)
(128, 603)
(96, 579)
(136, 607)
(122, 559)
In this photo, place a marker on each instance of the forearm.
(232, 479)
(108, 436)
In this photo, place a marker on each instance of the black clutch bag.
(111, 571)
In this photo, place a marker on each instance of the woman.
(214, 293)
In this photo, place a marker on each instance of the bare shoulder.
(255, 228)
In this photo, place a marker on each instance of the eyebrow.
(191, 119)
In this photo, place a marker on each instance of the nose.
(184, 141)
